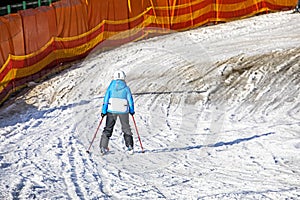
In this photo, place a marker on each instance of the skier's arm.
(106, 100)
(130, 101)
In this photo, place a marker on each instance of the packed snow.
(217, 110)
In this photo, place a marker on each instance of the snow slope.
(217, 109)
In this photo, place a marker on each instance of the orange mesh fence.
(71, 17)
(39, 27)
(33, 42)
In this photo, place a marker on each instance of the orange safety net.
(33, 42)
(40, 24)
(11, 43)
(71, 17)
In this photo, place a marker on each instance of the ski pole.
(137, 134)
(88, 151)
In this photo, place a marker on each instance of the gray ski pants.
(109, 127)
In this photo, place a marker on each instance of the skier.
(117, 103)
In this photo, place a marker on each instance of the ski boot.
(130, 150)
(103, 151)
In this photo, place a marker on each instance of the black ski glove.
(132, 113)
(103, 115)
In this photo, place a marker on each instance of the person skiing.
(117, 103)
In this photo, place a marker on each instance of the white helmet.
(119, 75)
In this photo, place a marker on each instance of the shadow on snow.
(218, 144)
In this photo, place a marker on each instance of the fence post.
(24, 5)
(39, 3)
(8, 9)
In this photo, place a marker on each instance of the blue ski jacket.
(118, 98)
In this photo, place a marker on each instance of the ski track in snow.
(217, 110)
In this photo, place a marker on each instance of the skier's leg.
(108, 129)
(124, 118)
